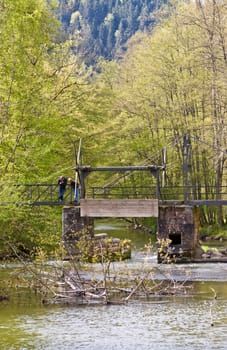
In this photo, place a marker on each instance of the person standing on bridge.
(62, 182)
(75, 189)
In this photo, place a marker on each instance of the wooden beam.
(119, 168)
(119, 208)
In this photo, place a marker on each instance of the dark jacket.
(62, 182)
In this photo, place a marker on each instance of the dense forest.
(170, 80)
(102, 27)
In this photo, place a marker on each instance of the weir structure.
(81, 218)
(177, 216)
(177, 223)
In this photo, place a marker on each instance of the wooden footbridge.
(174, 207)
(177, 218)
(47, 194)
(111, 200)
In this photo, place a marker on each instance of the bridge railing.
(165, 193)
(42, 194)
(47, 194)
(193, 193)
(119, 192)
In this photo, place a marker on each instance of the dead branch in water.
(75, 282)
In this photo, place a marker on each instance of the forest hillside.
(102, 27)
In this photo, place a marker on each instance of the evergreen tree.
(94, 14)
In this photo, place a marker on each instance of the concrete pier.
(178, 238)
(73, 228)
(81, 243)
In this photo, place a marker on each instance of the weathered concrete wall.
(176, 223)
(180, 224)
(119, 208)
(74, 227)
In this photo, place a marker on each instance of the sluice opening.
(175, 239)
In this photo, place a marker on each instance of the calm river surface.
(191, 322)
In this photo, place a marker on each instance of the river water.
(195, 321)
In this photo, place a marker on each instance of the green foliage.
(24, 231)
(42, 90)
(206, 248)
(215, 231)
(93, 249)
